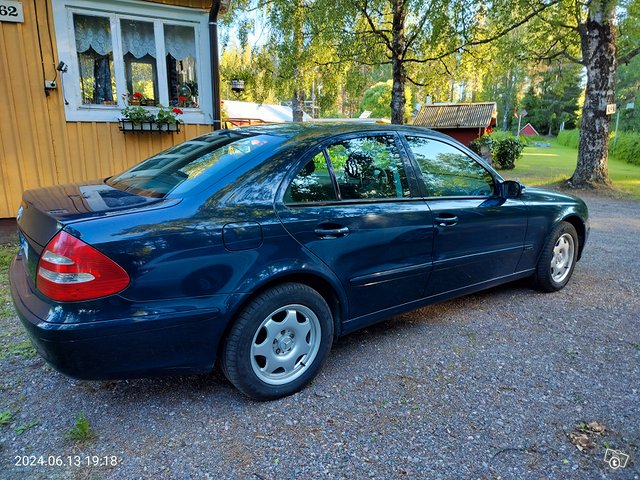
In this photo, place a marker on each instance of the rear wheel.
(279, 342)
(558, 259)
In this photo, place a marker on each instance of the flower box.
(129, 126)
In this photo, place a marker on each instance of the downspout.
(215, 65)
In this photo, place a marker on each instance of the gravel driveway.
(501, 384)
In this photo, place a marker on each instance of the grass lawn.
(541, 166)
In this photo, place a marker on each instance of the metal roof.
(456, 115)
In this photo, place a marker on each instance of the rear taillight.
(70, 270)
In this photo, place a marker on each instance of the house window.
(120, 47)
(139, 57)
(95, 59)
(182, 80)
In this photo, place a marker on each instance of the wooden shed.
(463, 121)
(69, 131)
(528, 131)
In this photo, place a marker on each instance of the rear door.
(351, 204)
(479, 236)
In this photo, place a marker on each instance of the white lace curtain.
(137, 37)
(180, 42)
(92, 32)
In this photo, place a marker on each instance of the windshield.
(188, 162)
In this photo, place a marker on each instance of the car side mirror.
(511, 189)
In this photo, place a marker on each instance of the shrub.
(503, 147)
(506, 151)
(477, 144)
(627, 147)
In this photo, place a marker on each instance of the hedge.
(627, 147)
(569, 138)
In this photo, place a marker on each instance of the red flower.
(182, 98)
(177, 111)
(137, 95)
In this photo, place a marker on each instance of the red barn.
(528, 131)
(463, 121)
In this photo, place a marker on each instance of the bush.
(505, 149)
(627, 147)
(505, 152)
(478, 144)
(569, 138)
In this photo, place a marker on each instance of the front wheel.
(558, 258)
(279, 342)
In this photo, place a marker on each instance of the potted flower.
(136, 118)
(136, 99)
(167, 118)
(143, 119)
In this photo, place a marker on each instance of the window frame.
(413, 184)
(114, 10)
(420, 177)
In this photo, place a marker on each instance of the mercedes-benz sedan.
(257, 247)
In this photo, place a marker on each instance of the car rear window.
(189, 162)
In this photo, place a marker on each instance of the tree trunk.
(298, 79)
(598, 37)
(296, 105)
(399, 72)
(508, 102)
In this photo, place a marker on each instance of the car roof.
(316, 131)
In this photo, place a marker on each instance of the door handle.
(446, 220)
(331, 232)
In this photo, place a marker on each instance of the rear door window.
(312, 183)
(369, 167)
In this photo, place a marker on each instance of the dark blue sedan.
(256, 247)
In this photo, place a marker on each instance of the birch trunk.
(598, 37)
(399, 72)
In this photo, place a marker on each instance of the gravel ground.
(495, 385)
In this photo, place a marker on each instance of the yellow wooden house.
(68, 68)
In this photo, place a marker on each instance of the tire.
(279, 342)
(558, 258)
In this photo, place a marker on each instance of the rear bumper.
(172, 342)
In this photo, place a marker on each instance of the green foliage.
(569, 138)
(137, 115)
(18, 348)
(505, 152)
(627, 147)
(6, 418)
(168, 116)
(25, 427)
(81, 431)
(628, 91)
(479, 143)
(505, 148)
(377, 100)
(553, 97)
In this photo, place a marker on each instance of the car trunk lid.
(46, 211)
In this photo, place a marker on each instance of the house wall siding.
(38, 147)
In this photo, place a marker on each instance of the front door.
(479, 236)
(350, 204)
